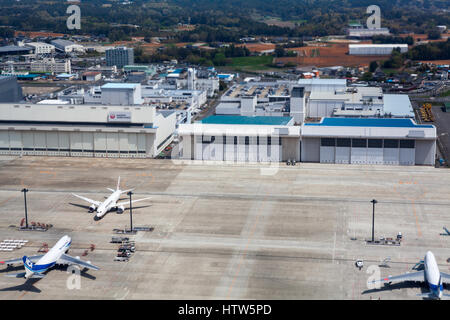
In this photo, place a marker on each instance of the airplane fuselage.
(433, 275)
(108, 204)
(50, 258)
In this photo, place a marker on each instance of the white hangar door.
(76, 144)
(275, 147)
(4, 142)
(407, 152)
(15, 141)
(343, 146)
(28, 143)
(359, 151)
(391, 152)
(64, 143)
(100, 144)
(88, 144)
(375, 151)
(253, 149)
(263, 152)
(327, 150)
(208, 150)
(230, 148)
(112, 144)
(142, 145)
(52, 143)
(132, 144)
(242, 149)
(217, 148)
(123, 145)
(40, 143)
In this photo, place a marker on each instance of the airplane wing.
(445, 278)
(412, 276)
(97, 203)
(66, 259)
(132, 201)
(33, 259)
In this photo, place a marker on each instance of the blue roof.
(368, 122)
(257, 120)
(113, 85)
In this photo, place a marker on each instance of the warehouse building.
(67, 46)
(368, 141)
(84, 130)
(375, 49)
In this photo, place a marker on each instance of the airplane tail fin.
(29, 266)
(118, 184)
(446, 230)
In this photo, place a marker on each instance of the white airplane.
(36, 266)
(431, 275)
(110, 203)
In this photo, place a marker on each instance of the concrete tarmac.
(226, 231)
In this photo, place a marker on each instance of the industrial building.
(67, 46)
(368, 141)
(15, 50)
(240, 139)
(119, 57)
(312, 98)
(84, 130)
(41, 47)
(332, 140)
(375, 49)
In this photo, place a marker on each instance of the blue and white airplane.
(110, 203)
(431, 275)
(36, 266)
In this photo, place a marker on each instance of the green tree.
(373, 66)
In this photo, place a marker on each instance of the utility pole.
(131, 212)
(373, 218)
(25, 190)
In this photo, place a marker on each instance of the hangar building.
(368, 141)
(84, 130)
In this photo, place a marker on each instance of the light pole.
(373, 218)
(131, 212)
(25, 190)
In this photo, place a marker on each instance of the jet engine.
(120, 209)
(92, 208)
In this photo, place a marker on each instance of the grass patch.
(389, 71)
(445, 94)
(252, 63)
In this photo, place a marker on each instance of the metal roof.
(113, 85)
(240, 120)
(398, 105)
(368, 122)
(323, 81)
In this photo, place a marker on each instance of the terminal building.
(84, 130)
